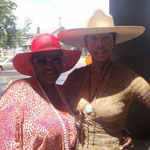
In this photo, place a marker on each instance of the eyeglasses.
(47, 60)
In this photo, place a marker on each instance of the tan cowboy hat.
(99, 22)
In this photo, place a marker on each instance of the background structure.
(136, 55)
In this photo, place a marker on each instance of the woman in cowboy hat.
(33, 114)
(104, 90)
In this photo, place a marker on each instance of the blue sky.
(45, 13)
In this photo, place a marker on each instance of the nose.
(50, 66)
(100, 44)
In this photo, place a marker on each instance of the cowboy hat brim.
(22, 61)
(75, 37)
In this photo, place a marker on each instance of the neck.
(48, 87)
(97, 73)
(49, 90)
(45, 85)
(98, 66)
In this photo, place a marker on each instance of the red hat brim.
(22, 62)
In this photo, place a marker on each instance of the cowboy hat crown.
(99, 19)
(98, 23)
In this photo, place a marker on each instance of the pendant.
(88, 108)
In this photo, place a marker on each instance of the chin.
(49, 81)
(101, 60)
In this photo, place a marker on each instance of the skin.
(47, 74)
(100, 47)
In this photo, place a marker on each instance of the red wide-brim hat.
(45, 42)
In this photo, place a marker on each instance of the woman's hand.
(126, 140)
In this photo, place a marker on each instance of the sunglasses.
(47, 60)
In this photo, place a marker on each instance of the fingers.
(126, 140)
(127, 143)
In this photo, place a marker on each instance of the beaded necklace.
(66, 142)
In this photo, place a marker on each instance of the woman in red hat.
(33, 113)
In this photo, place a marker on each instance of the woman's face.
(100, 46)
(47, 66)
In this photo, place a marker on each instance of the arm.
(10, 119)
(141, 90)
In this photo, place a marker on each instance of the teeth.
(50, 73)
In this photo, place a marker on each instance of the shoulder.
(125, 76)
(121, 76)
(16, 85)
(19, 82)
(78, 71)
(73, 81)
(76, 75)
(122, 72)
(13, 93)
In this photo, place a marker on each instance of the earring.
(88, 60)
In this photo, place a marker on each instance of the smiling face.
(47, 66)
(100, 46)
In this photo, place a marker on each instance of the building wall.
(136, 55)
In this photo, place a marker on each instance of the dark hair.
(85, 40)
(113, 33)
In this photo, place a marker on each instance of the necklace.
(89, 108)
(66, 143)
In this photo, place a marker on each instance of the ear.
(85, 41)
